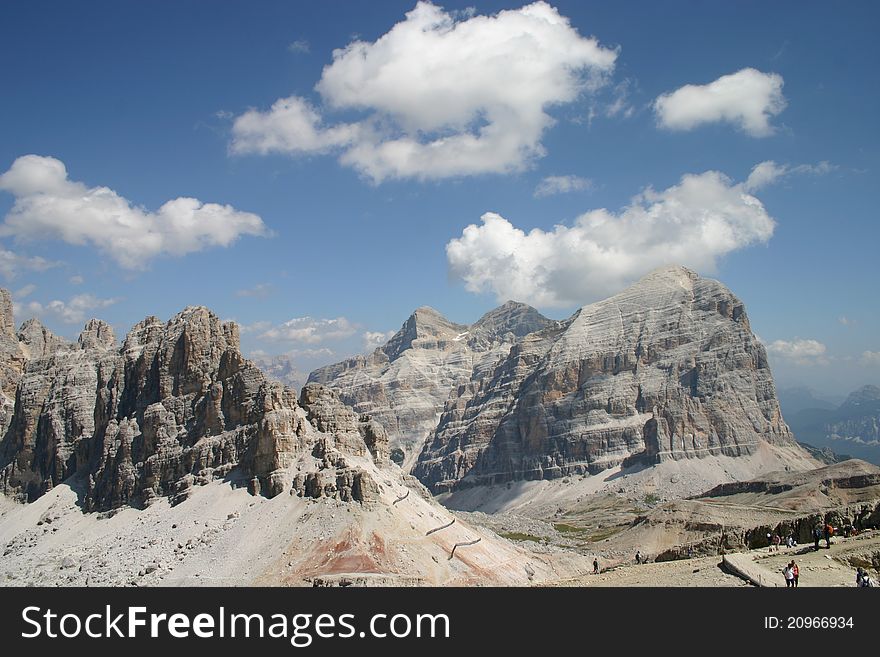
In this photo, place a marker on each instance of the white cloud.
(308, 330)
(799, 351)
(255, 327)
(25, 291)
(74, 311)
(12, 263)
(424, 118)
(748, 99)
(846, 321)
(259, 291)
(871, 358)
(76, 280)
(552, 185)
(373, 339)
(50, 206)
(292, 125)
(693, 223)
(769, 172)
(299, 46)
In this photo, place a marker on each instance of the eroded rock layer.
(667, 369)
(405, 383)
(175, 405)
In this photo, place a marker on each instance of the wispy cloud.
(552, 185)
(309, 330)
(259, 291)
(374, 339)
(74, 311)
(299, 46)
(799, 351)
(769, 172)
(12, 264)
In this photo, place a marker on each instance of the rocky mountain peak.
(515, 318)
(177, 405)
(668, 369)
(865, 395)
(37, 341)
(97, 334)
(425, 324)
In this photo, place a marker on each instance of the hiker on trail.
(790, 542)
(789, 577)
(638, 556)
(817, 535)
(595, 566)
(859, 574)
(829, 532)
(795, 573)
(776, 542)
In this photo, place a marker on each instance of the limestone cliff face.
(667, 369)
(405, 383)
(175, 405)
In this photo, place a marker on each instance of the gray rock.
(405, 383)
(174, 407)
(667, 369)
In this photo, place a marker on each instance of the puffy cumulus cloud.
(748, 99)
(693, 223)
(374, 339)
(871, 358)
(292, 125)
(75, 311)
(799, 351)
(308, 330)
(444, 94)
(48, 205)
(769, 172)
(552, 185)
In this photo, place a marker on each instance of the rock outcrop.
(405, 383)
(667, 369)
(174, 406)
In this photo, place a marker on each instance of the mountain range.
(852, 427)
(667, 369)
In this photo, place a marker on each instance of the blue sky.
(328, 217)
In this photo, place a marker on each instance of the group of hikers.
(819, 532)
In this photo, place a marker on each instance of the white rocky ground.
(225, 536)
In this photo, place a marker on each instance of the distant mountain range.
(852, 427)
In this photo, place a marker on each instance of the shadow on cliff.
(631, 465)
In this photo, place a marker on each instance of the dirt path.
(703, 571)
(827, 567)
